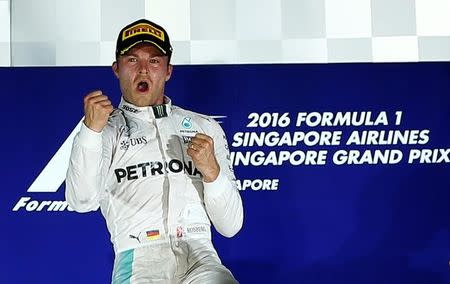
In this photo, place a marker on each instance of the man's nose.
(143, 67)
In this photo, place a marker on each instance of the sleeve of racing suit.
(222, 199)
(84, 180)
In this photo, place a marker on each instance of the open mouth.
(142, 86)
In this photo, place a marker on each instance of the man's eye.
(132, 59)
(154, 61)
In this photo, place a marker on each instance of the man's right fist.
(97, 108)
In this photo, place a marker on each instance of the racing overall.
(157, 208)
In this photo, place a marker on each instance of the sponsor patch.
(130, 109)
(124, 145)
(180, 232)
(142, 28)
(154, 168)
(186, 139)
(196, 229)
(187, 123)
(135, 237)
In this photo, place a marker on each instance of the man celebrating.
(159, 173)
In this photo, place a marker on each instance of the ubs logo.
(124, 145)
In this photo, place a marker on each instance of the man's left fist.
(201, 150)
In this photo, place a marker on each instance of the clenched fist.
(97, 108)
(201, 150)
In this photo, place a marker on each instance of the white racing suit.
(156, 205)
